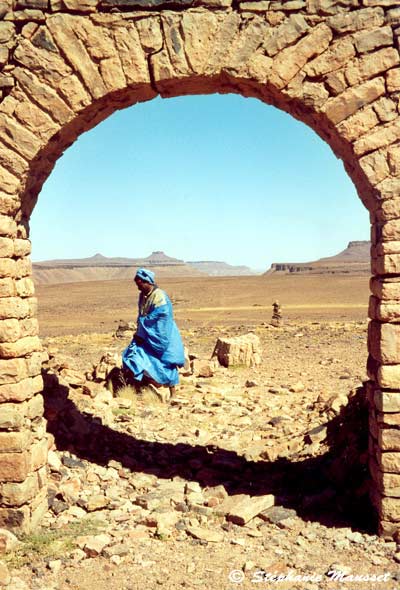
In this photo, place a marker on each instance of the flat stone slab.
(240, 509)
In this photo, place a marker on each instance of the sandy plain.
(248, 430)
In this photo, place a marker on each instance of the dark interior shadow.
(331, 488)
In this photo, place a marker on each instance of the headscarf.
(146, 275)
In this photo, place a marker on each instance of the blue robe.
(160, 350)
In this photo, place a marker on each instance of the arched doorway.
(337, 70)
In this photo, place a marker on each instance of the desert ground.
(147, 494)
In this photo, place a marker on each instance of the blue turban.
(146, 275)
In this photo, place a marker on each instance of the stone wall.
(68, 64)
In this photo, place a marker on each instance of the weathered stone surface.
(355, 21)
(14, 467)
(20, 347)
(287, 33)
(17, 494)
(389, 376)
(332, 59)
(393, 80)
(12, 416)
(242, 508)
(369, 40)
(292, 59)
(372, 64)
(384, 135)
(384, 342)
(15, 442)
(239, 350)
(62, 28)
(351, 100)
(358, 124)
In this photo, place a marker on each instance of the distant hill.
(354, 259)
(101, 268)
(216, 268)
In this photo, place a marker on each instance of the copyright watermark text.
(258, 576)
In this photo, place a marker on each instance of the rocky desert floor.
(248, 478)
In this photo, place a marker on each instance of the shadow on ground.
(331, 488)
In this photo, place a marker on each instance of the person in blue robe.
(156, 350)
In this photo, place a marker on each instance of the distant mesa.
(102, 268)
(355, 259)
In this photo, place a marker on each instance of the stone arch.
(66, 65)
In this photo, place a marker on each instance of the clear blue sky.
(202, 178)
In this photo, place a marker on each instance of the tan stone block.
(8, 226)
(74, 93)
(393, 80)
(394, 160)
(385, 288)
(23, 267)
(387, 264)
(391, 230)
(33, 306)
(285, 34)
(336, 56)
(132, 56)
(292, 59)
(388, 419)
(15, 442)
(10, 330)
(15, 519)
(22, 390)
(14, 307)
(351, 100)
(358, 124)
(11, 160)
(372, 64)
(150, 34)
(357, 20)
(336, 82)
(47, 65)
(36, 120)
(97, 40)
(17, 494)
(35, 407)
(7, 267)
(388, 188)
(199, 33)
(29, 327)
(47, 98)
(389, 209)
(8, 205)
(25, 287)
(382, 136)
(17, 137)
(386, 109)
(6, 247)
(390, 509)
(384, 342)
(375, 166)
(389, 376)
(112, 73)
(14, 467)
(388, 461)
(81, 5)
(39, 509)
(21, 347)
(62, 27)
(38, 453)
(7, 32)
(11, 371)
(387, 248)
(369, 40)
(22, 247)
(7, 287)
(12, 416)
(388, 483)
(389, 439)
(34, 363)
